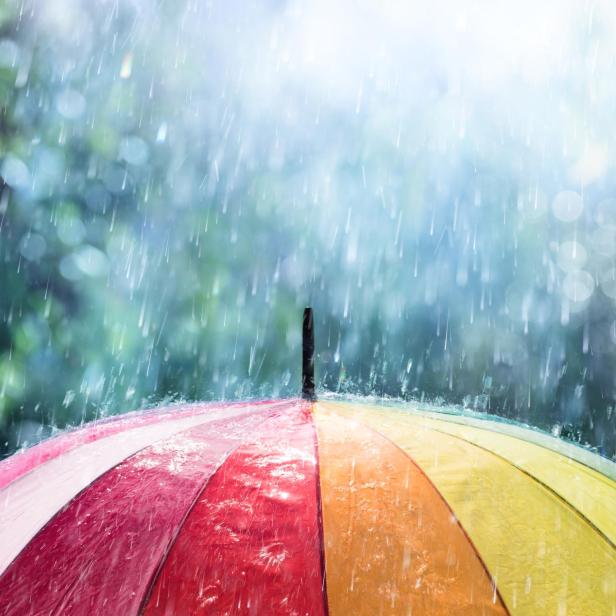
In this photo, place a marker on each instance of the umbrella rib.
(39, 517)
(512, 429)
(106, 422)
(60, 605)
(320, 511)
(609, 472)
(152, 581)
(544, 485)
(466, 535)
(58, 609)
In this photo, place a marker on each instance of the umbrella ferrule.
(308, 387)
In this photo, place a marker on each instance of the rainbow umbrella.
(307, 508)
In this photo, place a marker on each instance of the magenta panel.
(101, 552)
(252, 545)
(21, 463)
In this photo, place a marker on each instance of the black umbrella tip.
(308, 386)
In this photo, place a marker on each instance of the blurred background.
(180, 178)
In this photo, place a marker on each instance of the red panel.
(251, 545)
(21, 463)
(98, 555)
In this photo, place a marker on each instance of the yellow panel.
(588, 491)
(545, 558)
(392, 545)
(571, 451)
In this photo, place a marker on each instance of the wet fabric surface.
(392, 545)
(545, 557)
(33, 499)
(292, 508)
(23, 462)
(592, 494)
(251, 545)
(99, 554)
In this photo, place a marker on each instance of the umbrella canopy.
(294, 507)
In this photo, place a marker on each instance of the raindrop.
(161, 135)
(572, 256)
(97, 198)
(604, 240)
(592, 164)
(607, 282)
(70, 104)
(116, 179)
(71, 231)
(68, 268)
(32, 246)
(127, 66)
(9, 53)
(88, 261)
(134, 150)
(578, 286)
(15, 172)
(605, 212)
(532, 204)
(567, 206)
(91, 261)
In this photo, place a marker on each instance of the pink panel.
(21, 463)
(98, 555)
(252, 545)
(27, 504)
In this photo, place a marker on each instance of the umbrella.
(307, 507)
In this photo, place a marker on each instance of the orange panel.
(392, 545)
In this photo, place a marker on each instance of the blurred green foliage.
(162, 225)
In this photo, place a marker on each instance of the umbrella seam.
(551, 449)
(153, 579)
(320, 510)
(447, 505)
(545, 486)
(454, 418)
(110, 420)
(62, 509)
